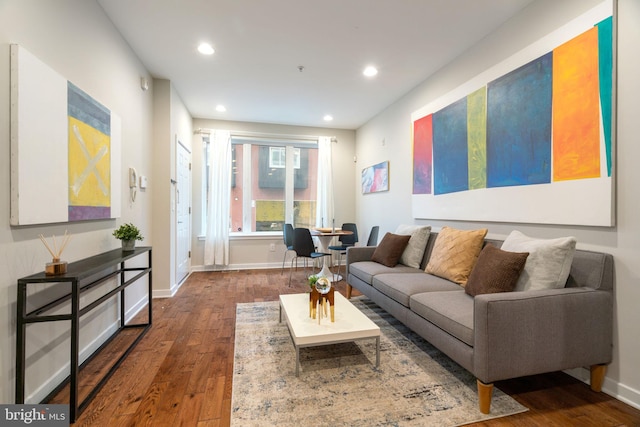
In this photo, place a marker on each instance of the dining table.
(325, 236)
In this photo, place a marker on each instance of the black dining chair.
(304, 247)
(373, 236)
(346, 241)
(287, 236)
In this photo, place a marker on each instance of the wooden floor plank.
(149, 406)
(212, 409)
(182, 370)
(189, 410)
(169, 405)
(142, 377)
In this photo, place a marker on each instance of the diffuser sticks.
(56, 266)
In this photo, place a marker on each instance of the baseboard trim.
(614, 389)
(169, 293)
(231, 267)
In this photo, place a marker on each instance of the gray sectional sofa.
(504, 335)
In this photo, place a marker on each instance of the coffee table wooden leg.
(297, 361)
(377, 352)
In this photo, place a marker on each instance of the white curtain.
(216, 247)
(324, 207)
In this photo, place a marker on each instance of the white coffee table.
(350, 324)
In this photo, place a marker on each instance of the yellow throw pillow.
(455, 253)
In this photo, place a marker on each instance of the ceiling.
(260, 45)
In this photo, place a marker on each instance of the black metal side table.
(82, 275)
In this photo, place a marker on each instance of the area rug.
(339, 385)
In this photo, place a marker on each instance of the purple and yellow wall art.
(89, 157)
(530, 140)
(65, 148)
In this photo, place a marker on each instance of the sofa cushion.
(400, 286)
(412, 255)
(549, 261)
(495, 271)
(366, 270)
(390, 249)
(450, 311)
(455, 252)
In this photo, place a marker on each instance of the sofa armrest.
(526, 333)
(359, 253)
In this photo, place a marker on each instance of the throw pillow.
(454, 253)
(412, 255)
(549, 261)
(495, 271)
(390, 249)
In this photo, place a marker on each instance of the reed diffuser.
(56, 266)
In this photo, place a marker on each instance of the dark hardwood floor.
(180, 374)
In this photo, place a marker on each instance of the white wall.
(75, 38)
(254, 252)
(393, 126)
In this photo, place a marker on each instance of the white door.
(183, 212)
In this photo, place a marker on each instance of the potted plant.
(312, 281)
(128, 233)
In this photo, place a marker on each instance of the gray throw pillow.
(549, 261)
(413, 253)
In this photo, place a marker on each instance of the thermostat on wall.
(143, 181)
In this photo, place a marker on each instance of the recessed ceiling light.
(370, 71)
(221, 108)
(328, 118)
(205, 49)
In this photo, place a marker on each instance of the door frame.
(180, 185)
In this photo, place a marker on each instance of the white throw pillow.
(412, 255)
(549, 261)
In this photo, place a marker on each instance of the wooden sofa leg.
(349, 289)
(597, 376)
(485, 391)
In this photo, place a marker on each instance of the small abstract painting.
(375, 178)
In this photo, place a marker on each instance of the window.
(277, 157)
(273, 182)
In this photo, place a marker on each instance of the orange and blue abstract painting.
(540, 123)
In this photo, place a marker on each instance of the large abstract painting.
(65, 148)
(530, 140)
